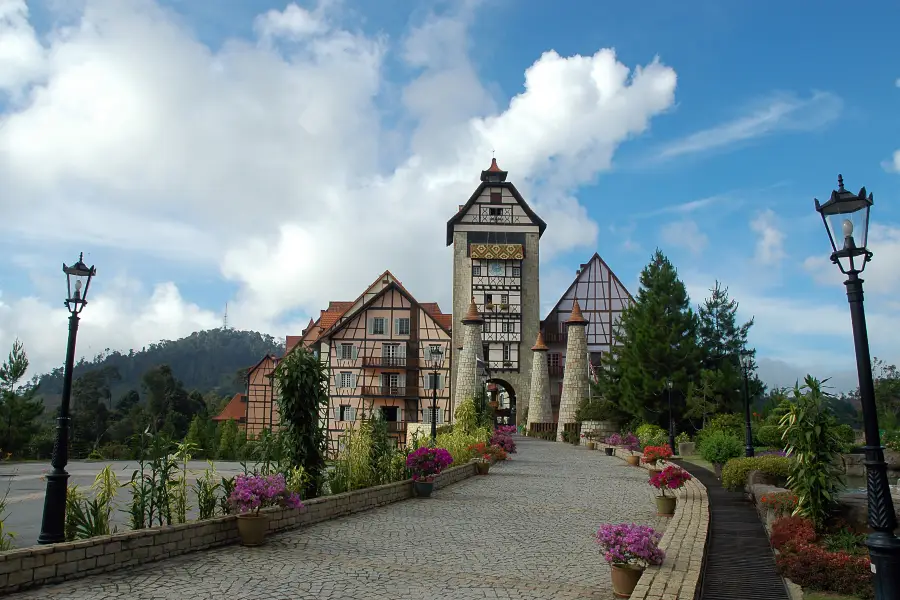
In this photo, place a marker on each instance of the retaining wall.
(38, 565)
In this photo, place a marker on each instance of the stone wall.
(38, 565)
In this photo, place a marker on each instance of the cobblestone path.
(522, 532)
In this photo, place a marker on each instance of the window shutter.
(352, 411)
(353, 380)
(354, 352)
(371, 326)
(401, 381)
(396, 326)
(440, 381)
(440, 416)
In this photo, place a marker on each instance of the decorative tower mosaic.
(575, 379)
(539, 408)
(496, 250)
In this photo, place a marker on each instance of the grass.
(695, 459)
(826, 596)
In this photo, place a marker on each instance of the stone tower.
(496, 250)
(575, 378)
(466, 382)
(539, 408)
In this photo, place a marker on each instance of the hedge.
(735, 471)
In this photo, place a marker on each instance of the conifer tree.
(656, 341)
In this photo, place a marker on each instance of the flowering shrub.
(507, 429)
(630, 544)
(780, 502)
(816, 568)
(631, 443)
(654, 454)
(488, 452)
(504, 441)
(670, 478)
(615, 440)
(253, 492)
(792, 529)
(427, 462)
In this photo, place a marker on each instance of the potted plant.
(425, 463)
(507, 364)
(590, 440)
(631, 443)
(504, 306)
(482, 464)
(629, 549)
(653, 455)
(488, 306)
(685, 446)
(252, 493)
(671, 478)
(613, 440)
(718, 448)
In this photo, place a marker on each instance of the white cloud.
(770, 245)
(267, 159)
(779, 113)
(684, 234)
(21, 55)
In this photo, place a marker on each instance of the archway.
(502, 398)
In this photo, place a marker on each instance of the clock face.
(496, 269)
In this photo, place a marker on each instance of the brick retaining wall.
(38, 565)
(684, 543)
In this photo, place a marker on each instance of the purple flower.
(253, 492)
(504, 441)
(427, 462)
(630, 544)
(614, 440)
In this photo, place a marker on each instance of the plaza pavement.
(522, 532)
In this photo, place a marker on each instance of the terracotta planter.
(610, 451)
(665, 506)
(423, 489)
(252, 529)
(482, 468)
(625, 579)
(652, 470)
(591, 445)
(633, 460)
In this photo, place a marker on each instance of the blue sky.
(772, 102)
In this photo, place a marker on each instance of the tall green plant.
(205, 488)
(6, 537)
(179, 486)
(302, 381)
(809, 431)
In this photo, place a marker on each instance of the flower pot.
(654, 471)
(252, 528)
(633, 460)
(610, 451)
(625, 579)
(423, 489)
(481, 468)
(665, 506)
(717, 467)
(590, 445)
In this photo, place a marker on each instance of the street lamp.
(78, 281)
(746, 365)
(671, 419)
(434, 361)
(846, 217)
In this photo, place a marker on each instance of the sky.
(273, 156)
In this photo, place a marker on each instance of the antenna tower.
(225, 318)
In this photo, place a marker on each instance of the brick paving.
(523, 532)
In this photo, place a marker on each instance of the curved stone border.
(39, 565)
(684, 543)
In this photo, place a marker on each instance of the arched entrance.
(502, 398)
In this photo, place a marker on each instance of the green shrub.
(651, 435)
(682, 438)
(891, 439)
(846, 436)
(719, 447)
(735, 471)
(595, 409)
(769, 435)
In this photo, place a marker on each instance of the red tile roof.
(445, 320)
(236, 409)
(291, 341)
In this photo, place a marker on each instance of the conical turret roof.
(539, 345)
(472, 316)
(576, 318)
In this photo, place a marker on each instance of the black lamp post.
(53, 524)
(846, 218)
(671, 419)
(435, 360)
(746, 364)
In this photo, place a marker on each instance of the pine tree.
(656, 342)
(195, 435)
(227, 440)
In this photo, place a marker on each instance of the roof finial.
(80, 256)
(841, 182)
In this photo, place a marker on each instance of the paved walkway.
(523, 532)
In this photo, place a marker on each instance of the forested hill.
(206, 361)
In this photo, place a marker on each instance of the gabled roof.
(602, 262)
(346, 313)
(261, 361)
(393, 285)
(236, 409)
(503, 184)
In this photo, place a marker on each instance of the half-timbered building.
(602, 297)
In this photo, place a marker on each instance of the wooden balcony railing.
(390, 391)
(555, 337)
(396, 362)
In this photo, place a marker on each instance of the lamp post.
(435, 360)
(671, 419)
(78, 280)
(746, 364)
(846, 218)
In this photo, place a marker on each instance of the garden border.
(34, 566)
(684, 543)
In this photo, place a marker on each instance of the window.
(497, 268)
(488, 299)
(377, 326)
(504, 299)
(496, 197)
(495, 211)
(390, 380)
(507, 327)
(434, 381)
(428, 414)
(507, 352)
(346, 352)
(345, 379)
(476, 270)
(401, 326)
(348, 413)
(517, 272)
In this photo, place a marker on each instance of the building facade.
(496, 253)
(601, 297)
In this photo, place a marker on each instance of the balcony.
(396, 427)
(390, 362)
(555, 337)
(556, 370)
(390, 391)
